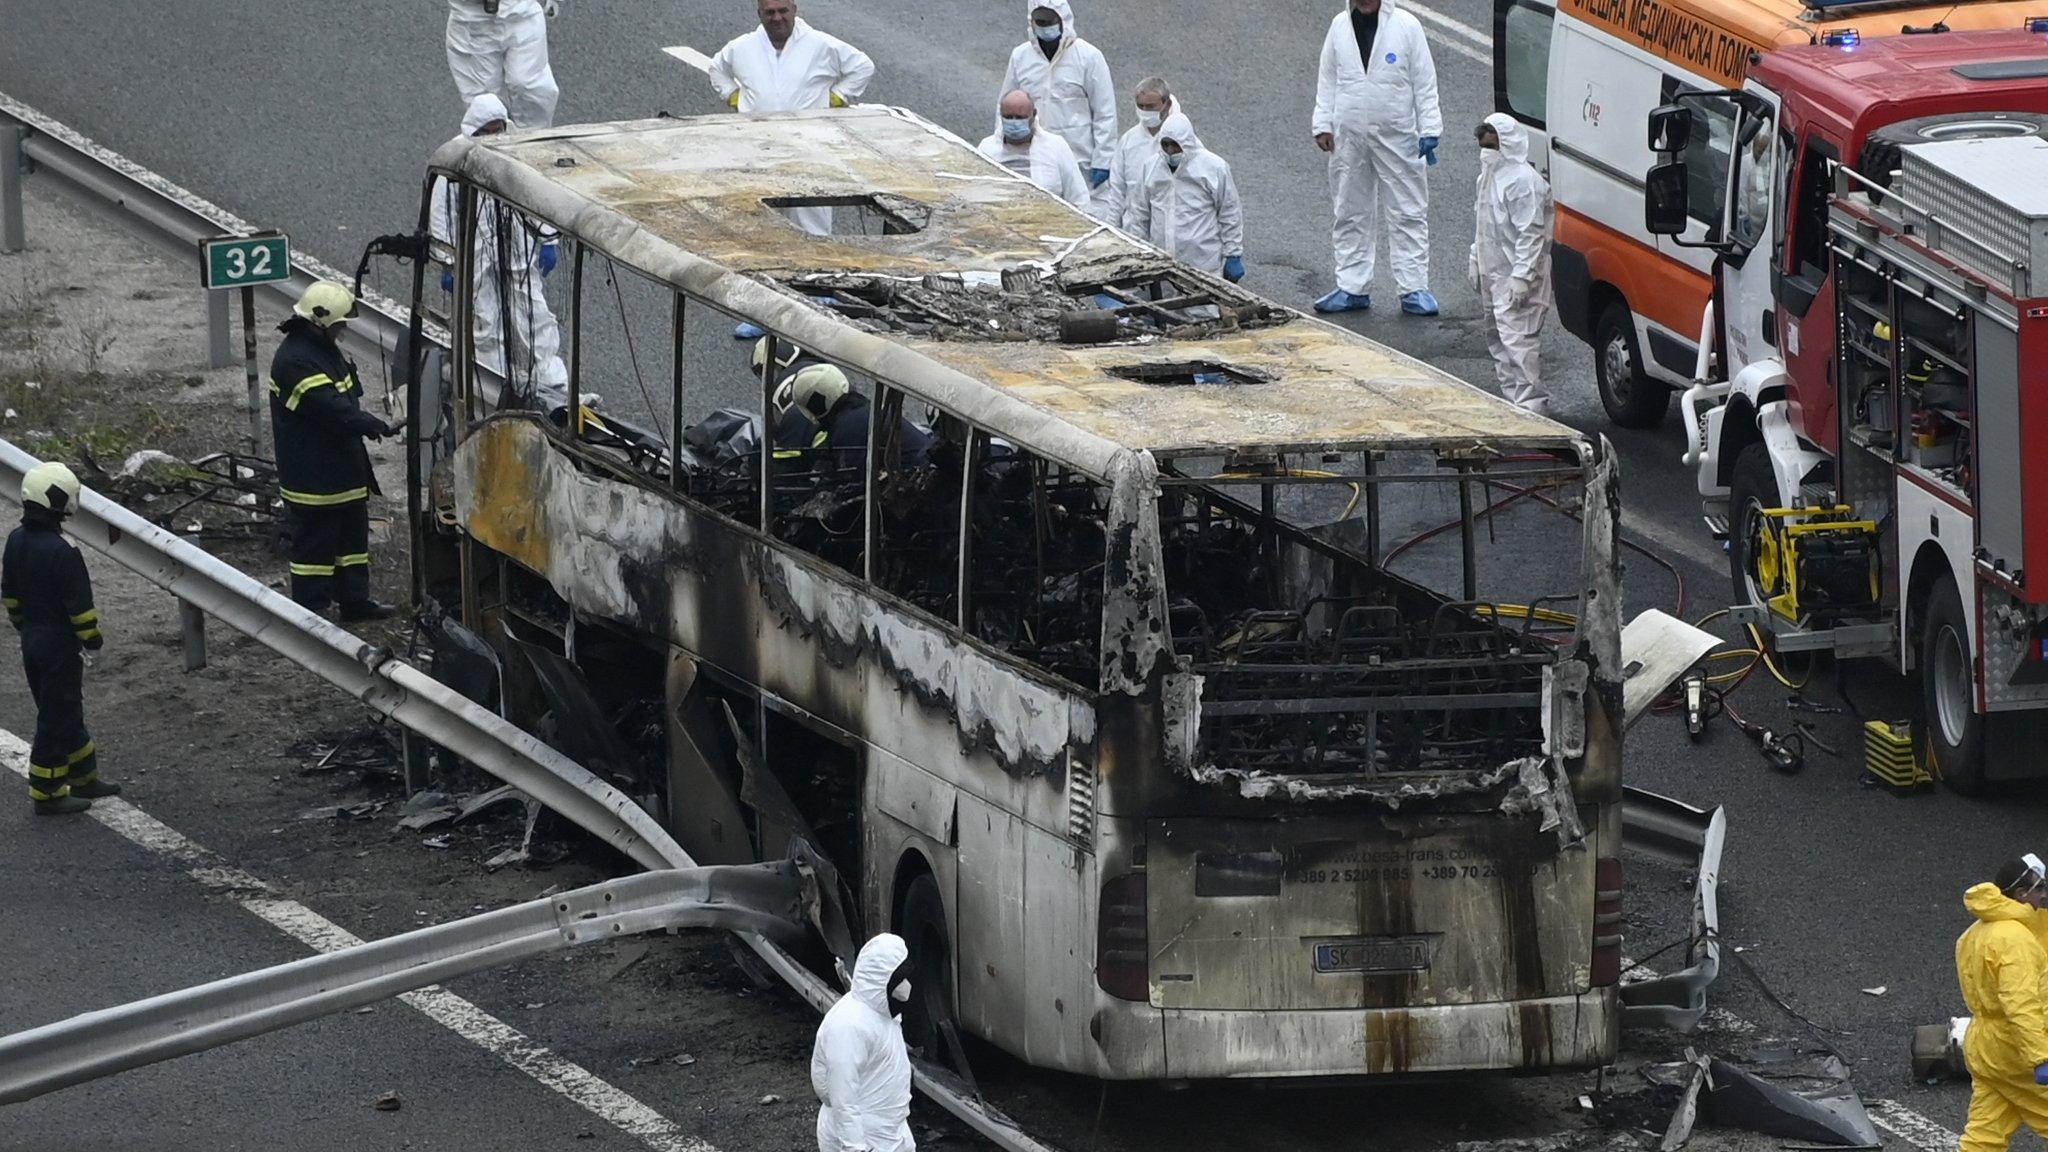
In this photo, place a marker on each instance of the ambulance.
(1584, 77)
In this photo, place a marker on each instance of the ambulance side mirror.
(1664, 198)
(1670, 128)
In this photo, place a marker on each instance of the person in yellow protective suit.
(2003, 968)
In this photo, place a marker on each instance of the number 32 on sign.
(245, 261)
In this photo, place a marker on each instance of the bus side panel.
(989, 924)
(1060, 886)
(1601, 95)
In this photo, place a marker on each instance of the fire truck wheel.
(923, 927)
(1632, 399)
(1752, 487)
(1952, 730)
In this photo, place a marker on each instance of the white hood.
(879, 958)
(482, 111)
(1067, 30)
(1180, 130)
(1514, 139)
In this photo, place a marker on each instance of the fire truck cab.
(1858, 419)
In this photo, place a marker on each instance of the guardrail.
(756, 898)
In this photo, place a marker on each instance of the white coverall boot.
(506, 54)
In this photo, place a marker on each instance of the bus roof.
(687, 202)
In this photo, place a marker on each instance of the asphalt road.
(316, 119)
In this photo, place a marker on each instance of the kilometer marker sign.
(245, 261)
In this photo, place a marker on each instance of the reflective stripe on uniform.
(89, 616)
(299, 390)
(312, 569)
(87, 633)
(324, 499)
(90, 748)
(48, 773)
(352, 560)
(57, 793)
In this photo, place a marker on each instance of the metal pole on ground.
(249, 365)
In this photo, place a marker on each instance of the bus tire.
(922, 924)
(1631, 398)
(1953, 732)
(1752, 487)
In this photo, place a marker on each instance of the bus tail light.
(1608, 921)
(1122, 959)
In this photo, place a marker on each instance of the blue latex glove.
(1097, 177)
(447, 280)
(2041, 1074)
(1233, 269)
(550, 252)
(1426, 148)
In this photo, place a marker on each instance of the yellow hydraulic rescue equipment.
(1816, 565)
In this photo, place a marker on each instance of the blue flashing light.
(1841, 38)
(2036, 24)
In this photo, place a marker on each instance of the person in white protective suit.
(785, 65)
(1020, 144)
(1378, 118)
(1510, 264)
(1134, 152)
(504, 241)
(1189, 204)
(1068, 79)
(501, 47)
(860, 1068)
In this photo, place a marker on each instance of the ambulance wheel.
(1631, 398)
(1953, 735)
(923, 928)
(1752, 487)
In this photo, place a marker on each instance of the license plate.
(1376, 954)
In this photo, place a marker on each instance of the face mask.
(901, 992)
(1015, 129)
(1149, 118)
(1174, 160)
(1047, 32)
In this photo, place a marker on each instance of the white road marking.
(600, 1098)
(690, 56)
(1483, 39)
(1911, 1126)
(1459, 46)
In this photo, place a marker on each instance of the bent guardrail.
(759, 898)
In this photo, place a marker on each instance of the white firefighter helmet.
(51, 485)
(817, 388)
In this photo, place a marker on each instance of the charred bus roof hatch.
(1181, 373)
(875, 214)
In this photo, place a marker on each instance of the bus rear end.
(1383, 834)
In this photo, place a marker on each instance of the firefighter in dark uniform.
(318, 423)
(49, 601)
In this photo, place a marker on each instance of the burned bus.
(1077, 644)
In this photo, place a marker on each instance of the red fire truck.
(1869, 414)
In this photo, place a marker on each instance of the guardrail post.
(219, 350)
(13, 237)
(192, 630)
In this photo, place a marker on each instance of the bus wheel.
(1632, 399)
(930, 1011)
(1953, 731)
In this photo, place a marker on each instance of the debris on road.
(770, 1098)
(1796, 1094)
(1877, 991)
(388, 1102)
